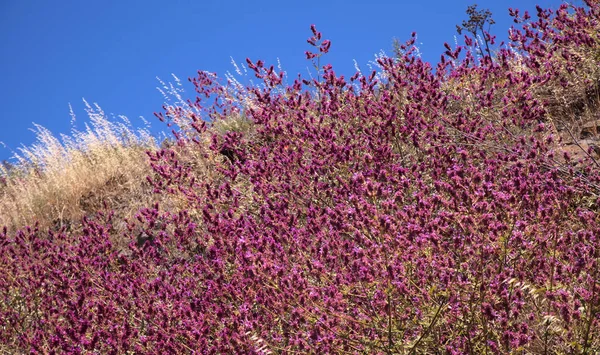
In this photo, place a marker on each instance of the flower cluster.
(427, 211)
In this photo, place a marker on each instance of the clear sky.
(53, 53)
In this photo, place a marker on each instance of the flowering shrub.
(391, 215)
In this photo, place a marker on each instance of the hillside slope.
(414, 210)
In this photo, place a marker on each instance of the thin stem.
(429, 327)
(591, 315)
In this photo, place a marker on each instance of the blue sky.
(57, 52)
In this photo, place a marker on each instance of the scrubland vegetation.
(420, 209)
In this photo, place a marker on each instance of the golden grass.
(56, 182)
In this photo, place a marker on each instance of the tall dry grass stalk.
(57, 181)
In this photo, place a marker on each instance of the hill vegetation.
(418, 209)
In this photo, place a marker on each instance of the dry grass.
(56, 182)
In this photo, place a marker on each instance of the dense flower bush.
(410, 211)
